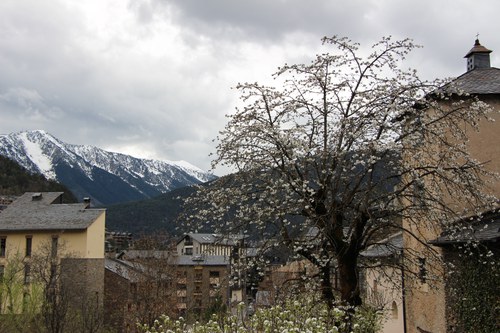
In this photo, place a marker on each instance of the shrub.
(294, 316)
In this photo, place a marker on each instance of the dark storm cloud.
(153, 77)
(269, 21)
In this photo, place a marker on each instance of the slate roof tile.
(40, 212)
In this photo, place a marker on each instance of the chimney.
(36, 196)
(86, 201)
(478, 57)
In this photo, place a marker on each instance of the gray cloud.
(152, 77)
(271, 20)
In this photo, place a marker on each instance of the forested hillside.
(149, 216)
(15, 180)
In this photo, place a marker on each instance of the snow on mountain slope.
(105, 176)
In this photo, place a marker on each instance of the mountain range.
(105, 177)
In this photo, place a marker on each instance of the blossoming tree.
(336, 156)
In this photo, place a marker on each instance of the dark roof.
(477, 48)
(123, 269)
(202, 260)
(40, 211)
(231, 240)
(482, 228)
(481, 81)
(146, 254)
(385, 248)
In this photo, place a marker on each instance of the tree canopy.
(338, 153)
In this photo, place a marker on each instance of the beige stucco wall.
(426, 302)
(78, 244)
(95, 238)
(485, 144)
(383, 289)
(87, 269)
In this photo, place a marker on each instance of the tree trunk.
(349, 279)
(326, 286)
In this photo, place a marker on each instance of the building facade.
(426, 300)
(214, 269)
(60, 247)
(140, 289)
(202, 285)
(208, 244)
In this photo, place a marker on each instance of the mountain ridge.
(88, 171)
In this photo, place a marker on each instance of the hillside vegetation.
(15, 180)
(149, 216)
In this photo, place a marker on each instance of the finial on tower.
(478, 56)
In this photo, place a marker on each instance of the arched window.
(394, 310)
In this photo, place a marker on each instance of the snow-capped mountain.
(88, 171)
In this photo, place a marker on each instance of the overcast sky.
(153, 78)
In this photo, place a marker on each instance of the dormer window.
(188, 241)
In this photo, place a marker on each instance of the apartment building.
(38, 231)
(210, 272)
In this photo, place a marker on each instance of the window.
(422, 270)
(375, 286)
(419, 193)
(53, 275)
(27, 273)
(3, 246)
(214, 274)
(55, 241)
(394, 310)
(29, 242)
(189, 251)
(26, 299)
(133, 288)
(188, 241)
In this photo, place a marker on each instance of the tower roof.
(477, 48)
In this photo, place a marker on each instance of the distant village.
(115, 279)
